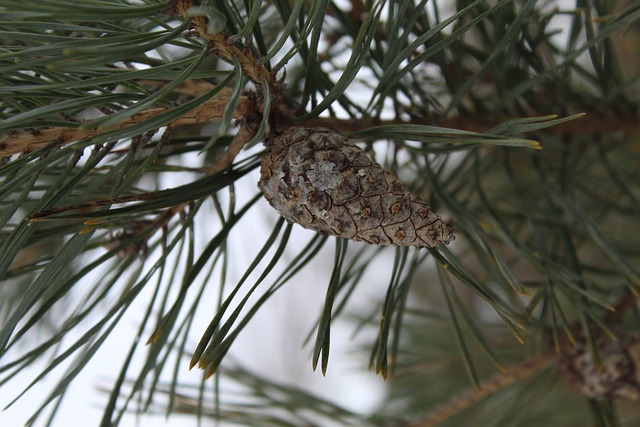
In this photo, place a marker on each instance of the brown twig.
(226, 159)
(192, 88)
(28, 141)
(251, 66)
(591, 124)
(494, 384)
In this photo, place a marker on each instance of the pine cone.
(316, 178)
(616, 376)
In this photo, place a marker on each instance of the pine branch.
(104, 103)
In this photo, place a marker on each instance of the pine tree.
(134, 134)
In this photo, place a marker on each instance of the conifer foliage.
(129, 128)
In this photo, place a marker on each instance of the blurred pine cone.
(617, 375)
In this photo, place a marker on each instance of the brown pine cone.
(316, 178)
(617, 375)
